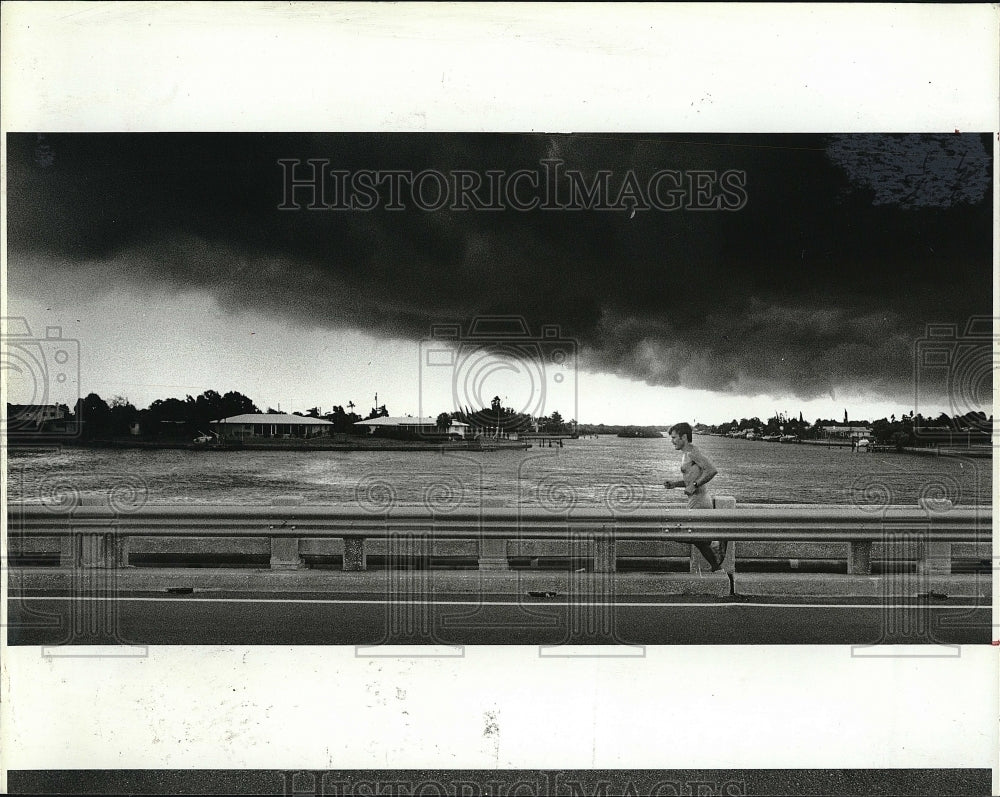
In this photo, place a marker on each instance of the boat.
(771, 438)
(216, 445)
(788, 438)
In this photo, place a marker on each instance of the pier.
(543, 440)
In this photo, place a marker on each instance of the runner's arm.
(708, 470)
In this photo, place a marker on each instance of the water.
(609, 472)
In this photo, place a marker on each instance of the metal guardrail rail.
(100, 532)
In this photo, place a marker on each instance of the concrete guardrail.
(95, 532)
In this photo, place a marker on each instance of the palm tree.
(496, 405)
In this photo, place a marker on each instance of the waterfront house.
(846, 431)
(410, 425)
(271, 424)
(49, 418)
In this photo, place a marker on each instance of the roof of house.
(407, 420)
(276, 417)
(34, 410)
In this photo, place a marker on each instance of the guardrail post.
(285, 553)
(95, 548)
(859, 562)
(604, 552)
(354, 554)
(493, 554)
(121, 550)
(285, 550)
(729, 561)
(697, 561)
(936, 560)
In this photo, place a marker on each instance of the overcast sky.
(806, 285)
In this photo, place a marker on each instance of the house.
(846, 431)
(414, 425)
(38, 418)
(275, 424)
(459, 428)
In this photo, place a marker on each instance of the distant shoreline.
(386, 444)
(361, 444)
(975, 452)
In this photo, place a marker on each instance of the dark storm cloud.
(846, 246)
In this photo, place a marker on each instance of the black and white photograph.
(504, 370)
(387, 448)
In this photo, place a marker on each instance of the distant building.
(37, 417)
(842, 430)
(415, 425)
(274, 424)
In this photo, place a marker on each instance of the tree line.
(507, 420)
(174, 418)
(182, 419)
(906, 430)
(178, 419)
(170, 418)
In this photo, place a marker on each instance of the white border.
(740, 67)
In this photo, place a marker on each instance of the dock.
(544, 440)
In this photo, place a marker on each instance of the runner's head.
(682, 430)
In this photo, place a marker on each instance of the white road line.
(629, 604)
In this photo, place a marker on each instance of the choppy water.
(613, 472)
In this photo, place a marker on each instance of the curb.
(424, 582)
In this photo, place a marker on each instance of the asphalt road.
(270, 619)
